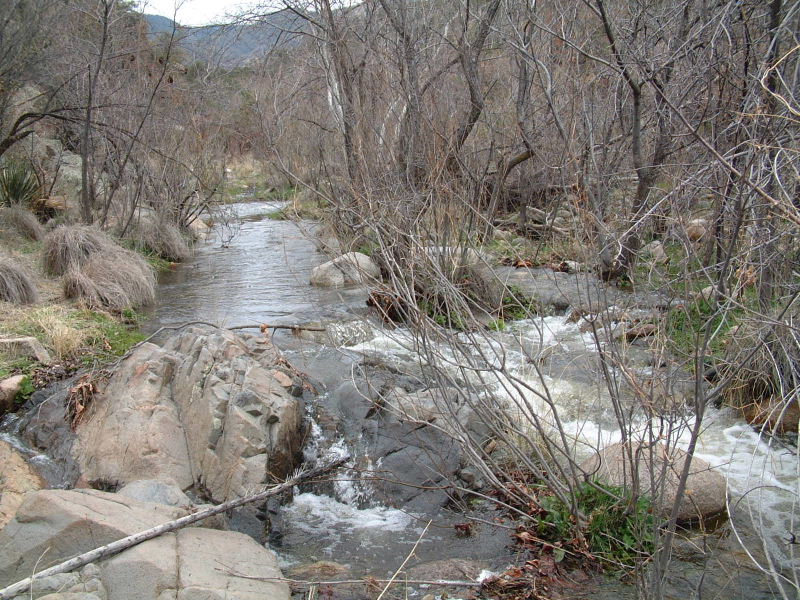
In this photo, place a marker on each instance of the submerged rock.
(349, 269)
(705, 494)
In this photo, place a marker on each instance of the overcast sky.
(198, 12)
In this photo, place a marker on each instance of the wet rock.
(28, 347)
(638, 331)
(781, 416)
(17, 478)
(202, 408)
(416, 464)
(9, 388)
(157, 492)
(705, 488)
(349, 269)
(440, 407)
(452, 569)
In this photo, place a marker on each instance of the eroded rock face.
(349, 269)
(705, 487)
(205, 408)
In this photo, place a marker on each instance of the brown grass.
(21, 221)
(113, 279)
(161, 238)
(69, 247)
(16, 285)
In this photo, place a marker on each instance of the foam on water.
(762, 474)
(312, 512)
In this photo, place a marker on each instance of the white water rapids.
(762, 473)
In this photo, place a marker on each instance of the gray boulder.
(352, 268)
(705, 487)
(195, 563)
(53, 525)
(192, 563)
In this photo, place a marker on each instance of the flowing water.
(263, 277)
(260, 275)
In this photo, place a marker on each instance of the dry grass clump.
(763, 361)
(113, 279)
(22, 221)
(160, 238)
(16, 286)
(69, 247)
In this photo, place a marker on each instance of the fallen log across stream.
(132, 540)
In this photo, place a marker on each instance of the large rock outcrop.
(207, 408)
(192, 563)
(705, 487)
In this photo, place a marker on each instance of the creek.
(263, 277)
(261, 274)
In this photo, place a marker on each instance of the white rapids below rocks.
(762, 473)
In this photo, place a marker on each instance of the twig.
(137, 538)
(265, 326)
(410, 554)
(445, 582)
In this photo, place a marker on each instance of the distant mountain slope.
(232, 45)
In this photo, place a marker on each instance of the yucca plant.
(18, 185)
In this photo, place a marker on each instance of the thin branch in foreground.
(137, 538)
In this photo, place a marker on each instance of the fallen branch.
(137, 538)
(366, 580)
(264, 326)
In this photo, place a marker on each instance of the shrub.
(616, 530)
(18, 185)
(762, 361)
(16, 286)
(21, 220)
(115, 279)
(161, 238)
(68, 247)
